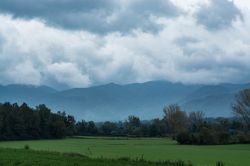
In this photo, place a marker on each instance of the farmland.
(153, 149)
(24, 157)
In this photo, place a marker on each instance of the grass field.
(22, 157)
(154, 149)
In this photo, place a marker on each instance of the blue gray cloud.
(1, 43)
(94, 42)
(219, 14)
(98, 16)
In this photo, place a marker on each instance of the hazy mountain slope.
(116, 102)
(214, 100)
(25, 93)
(214, 105)
(145, 100)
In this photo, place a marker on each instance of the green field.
(22, 157)
(154, 149)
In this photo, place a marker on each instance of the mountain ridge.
(116, 102)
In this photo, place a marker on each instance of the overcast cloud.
(80, 43)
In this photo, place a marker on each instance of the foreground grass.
(22, 157)
(151, 149)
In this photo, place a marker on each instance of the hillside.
(116, 102)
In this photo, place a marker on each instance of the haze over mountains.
(116, 102)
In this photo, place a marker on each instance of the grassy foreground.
(22, 157)
(151, 149)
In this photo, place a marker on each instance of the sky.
(81, 43)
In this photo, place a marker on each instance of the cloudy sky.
(80, 43)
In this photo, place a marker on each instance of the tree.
(134, 121)
(132, 125)
(196, 117)
(176, 119)
(109, 128)
(196, 120)
(242, 106)
(45, 115)
(81, 127)
(32, 121)
(92, 129)
(57, 126)
(157, 128)
(70, 124)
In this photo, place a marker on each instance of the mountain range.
(115, 102)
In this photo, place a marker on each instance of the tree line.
(23, 122)
(185, 128)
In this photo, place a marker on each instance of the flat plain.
(153, 149)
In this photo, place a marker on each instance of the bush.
(71, 154)
(224, 138)
(243, 137)
(220, 163)
(183, 138)
(124, 159)
(26, 147)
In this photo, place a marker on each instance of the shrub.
(219, 163)
(71, 154)
(183, 138)
(26, 147)
(124, 159)
(243, 137)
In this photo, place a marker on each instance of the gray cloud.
(219, 14)
(93, 15)
(2, 40)
(33, 52)
(137, 15)
(30, 8)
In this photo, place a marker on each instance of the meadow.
(153, 149)
(25, 157)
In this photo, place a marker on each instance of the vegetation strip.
(153, 149)
(10, 157)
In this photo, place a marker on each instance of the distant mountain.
(214, 100)
(24, 93)
(116, 102)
